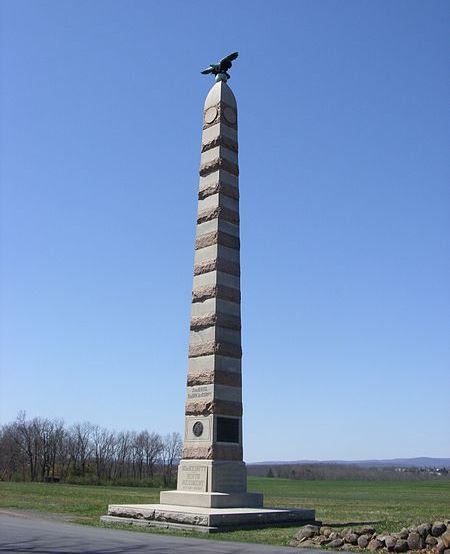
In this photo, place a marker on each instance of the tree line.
(327, 471)
(41, 449)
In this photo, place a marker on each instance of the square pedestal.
(201, 476)
(207, 520)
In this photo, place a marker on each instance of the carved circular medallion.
(210, 114)
(230, 115)
(197, 429)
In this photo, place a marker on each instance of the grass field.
(389, 505)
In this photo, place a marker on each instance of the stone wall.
(427, 537)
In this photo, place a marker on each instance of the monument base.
(212, 499)
(206, 520)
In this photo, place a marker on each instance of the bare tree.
(104, 447)
(80, 447)
(12, 460)
(153, 446)
(41, 449)
(123, 454)
(26, 436)
(170, 456)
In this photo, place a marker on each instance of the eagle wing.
(230, 57)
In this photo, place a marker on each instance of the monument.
(212, 478)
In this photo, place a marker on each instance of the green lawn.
(390, 505)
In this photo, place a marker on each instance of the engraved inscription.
(193, 477)
(200, 392)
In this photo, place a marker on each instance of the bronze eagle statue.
(220, 70)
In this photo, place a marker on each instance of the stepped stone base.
(206, 520)
(212, 499)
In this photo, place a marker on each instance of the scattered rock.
(375, 544)
(307, 543)
(401, 546)
(336, 543)
(415, 541)
(366, 531)
(438, 528)
(445, 538)
(334, 535)
(351, 538)
(390, 542)
(305, 534)
(435, 538)
(363, 541)
(308, 531)
(424, 530)
(315, 528)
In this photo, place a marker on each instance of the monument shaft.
(214, 400)
(212, 453)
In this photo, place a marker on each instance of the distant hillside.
(395, 462)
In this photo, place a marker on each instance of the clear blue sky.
(344, 133)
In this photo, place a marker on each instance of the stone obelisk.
(211, 491)
(212, 463)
